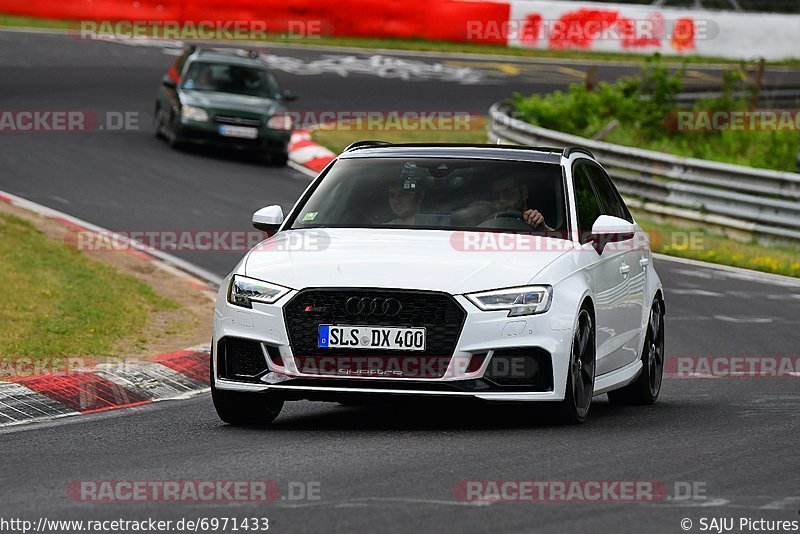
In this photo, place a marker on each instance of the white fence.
(630, 28)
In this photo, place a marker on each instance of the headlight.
(528, 300)
(194, 114)
(244, 291)
(280, 122)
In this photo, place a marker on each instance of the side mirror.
(607, 229)
(268, 219)
(289, 95)
(166, 81)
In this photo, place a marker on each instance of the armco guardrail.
(784, 97)
(758, 201)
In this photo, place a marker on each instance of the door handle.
(624, 270)
(644, 262)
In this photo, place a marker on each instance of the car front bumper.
(485, 336)
(268, 141)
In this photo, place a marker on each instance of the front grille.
(439, 313)
(240, 359)
(238, 121)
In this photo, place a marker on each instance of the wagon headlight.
(193, 113)
(244, 291)
(528, 300)
(280, 122)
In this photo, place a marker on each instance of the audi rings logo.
(373, 306)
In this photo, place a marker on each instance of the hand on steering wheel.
(532, 218)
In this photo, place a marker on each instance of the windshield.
(444, 194)
(236, 79)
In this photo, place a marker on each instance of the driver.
(510, 194)
(201, 79)
(405, 198)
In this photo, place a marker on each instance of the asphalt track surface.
(379, 468)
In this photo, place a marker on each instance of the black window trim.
(628, 217)
(294, 212)
(585, 236)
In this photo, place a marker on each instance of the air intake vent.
(528, 368)
(240, 359)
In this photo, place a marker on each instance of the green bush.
(642, 103)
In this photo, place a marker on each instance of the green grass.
(15, 21)
(697, 242)
(765, 150)
(57, 302)
(642, 107)
(775, 150)
(418, 45)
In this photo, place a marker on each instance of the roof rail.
(241, 52)
(569, 150)
(251, 53)
(455, 145)
(365, 144)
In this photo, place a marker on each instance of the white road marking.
(698, 292)
(368, 501)
(730, 272)
(743, 319)
(787, 503)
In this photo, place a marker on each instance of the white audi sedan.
(484, 272)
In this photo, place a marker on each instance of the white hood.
(392, 258)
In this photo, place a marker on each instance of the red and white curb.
(306, 155)
(107, 386)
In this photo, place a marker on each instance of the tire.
(157, 124)
(574, 409)
(239, 408)
(280, 159)
(646, 388)
(172, 135)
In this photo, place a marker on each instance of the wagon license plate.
(242, 132)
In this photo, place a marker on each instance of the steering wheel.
(506, 220)
(366, 218)
(508, 214)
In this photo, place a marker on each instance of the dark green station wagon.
(224, 98)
